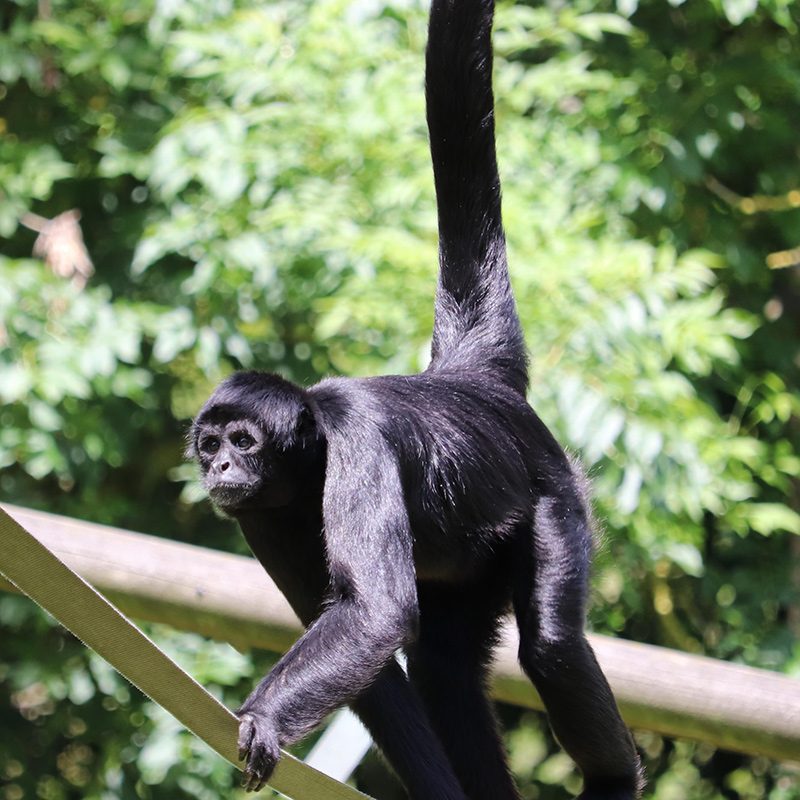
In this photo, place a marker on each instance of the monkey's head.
(256, 442)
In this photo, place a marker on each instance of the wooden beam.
(230, 598)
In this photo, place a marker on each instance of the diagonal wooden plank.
(36, 571)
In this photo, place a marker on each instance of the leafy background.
(255, 190)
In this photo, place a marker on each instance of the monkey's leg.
(290, 549)
(448, 665)
(549, 600)
(392, 712)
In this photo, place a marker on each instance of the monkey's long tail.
(476, 324)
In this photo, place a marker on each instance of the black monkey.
(412, 511)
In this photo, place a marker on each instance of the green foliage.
(255, 190)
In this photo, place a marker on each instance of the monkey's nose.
(223, 467)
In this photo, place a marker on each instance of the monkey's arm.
(288, 543)
(370, 613)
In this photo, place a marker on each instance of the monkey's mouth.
(230, 494)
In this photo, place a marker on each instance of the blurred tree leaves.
(256, 190)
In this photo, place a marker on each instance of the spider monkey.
(409, 512)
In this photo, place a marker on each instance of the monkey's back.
(472, 455)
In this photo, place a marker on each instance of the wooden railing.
(230, 598)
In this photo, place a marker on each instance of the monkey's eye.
(209, 444)
(242, 441)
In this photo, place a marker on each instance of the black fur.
(411, 511)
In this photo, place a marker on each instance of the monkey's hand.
(259, 746)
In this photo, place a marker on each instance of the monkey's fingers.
(260, 766)
(259, 747)
(251, 782)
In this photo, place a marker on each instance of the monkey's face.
(231, 457)
(255, 441)
(243, 467)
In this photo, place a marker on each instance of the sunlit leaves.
(26, 174)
